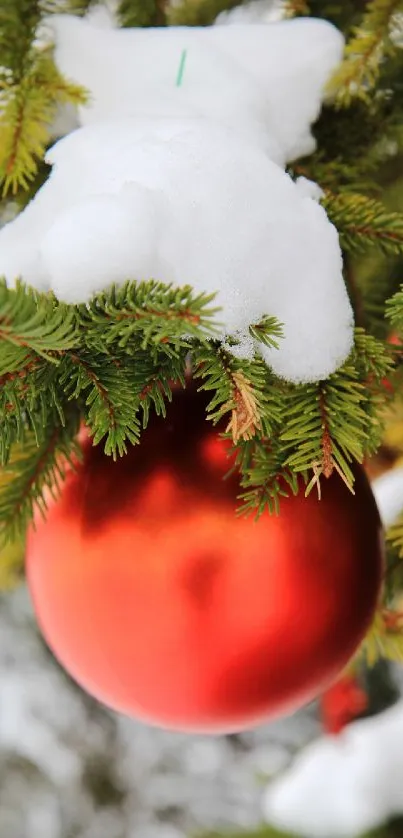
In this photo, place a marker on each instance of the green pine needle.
(36, 467)
(364, 222)
(33, 324)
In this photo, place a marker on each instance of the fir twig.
(364, 222)
(27, 110)
(198, 12)
(35, 467)
(265, 478)
(364, 53)
(115, 397)
(395, 536)
(245, 390)
(385, 638)
(394, 310)
(294, 8)
(30, 88)
(142, 12)
(33, 324)
(147, 314)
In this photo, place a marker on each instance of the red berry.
(163, 604)
(342, 703)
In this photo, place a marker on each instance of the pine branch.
(359, 72)
(384, 639)
(35, 467)
(324, 440)
(142, 12)
(375, 295)
(244, 391)
(198, 12)
(394, 310)
(12, 564)
(27, 109)
(260, 832)
(330, 424)
(109, 405)
(395, 537)
(294, 8)
(364, 222)
(18, 23)
(115, 398)
(147, 315)
(28, 400)
(33, 324)
(268, 331)
(265, 478)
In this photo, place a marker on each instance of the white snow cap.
(257, 11)
(264, 81)
(178, 175)
(341, 787)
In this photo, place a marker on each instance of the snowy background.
(70, 769)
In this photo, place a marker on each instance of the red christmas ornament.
(342, 703)
(164, 605)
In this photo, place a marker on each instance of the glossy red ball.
(164, 605)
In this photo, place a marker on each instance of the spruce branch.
(108, 403)
(115, 397)
(358, 74)
(27, 109)
(394, 310)
(265, 478)
(268, 331)
(147, 314)
(363, 222)
(198, 12)
(395, 536)
(142, 12)
(33, 324)
(18, 23)
(12, 564)
(245, 419)
(28, 400)
(245, 390)
(35, 467)
(376, 296)
(384, 639)
(294, 8)
(330, 424)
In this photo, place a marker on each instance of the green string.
(181, 68)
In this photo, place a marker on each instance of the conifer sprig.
(244, 391)
(321, 427)
(149, 314)
(27, 110)
(27, 400)
(142, 12)
(364, 53)
(265, 478)
(197, 12)
(394, 310)
(31, 88)
(115, 397)
(33, 324)
(295, 7)
(395, 537)
(363, 222)
(36, 466)
(384, 639)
